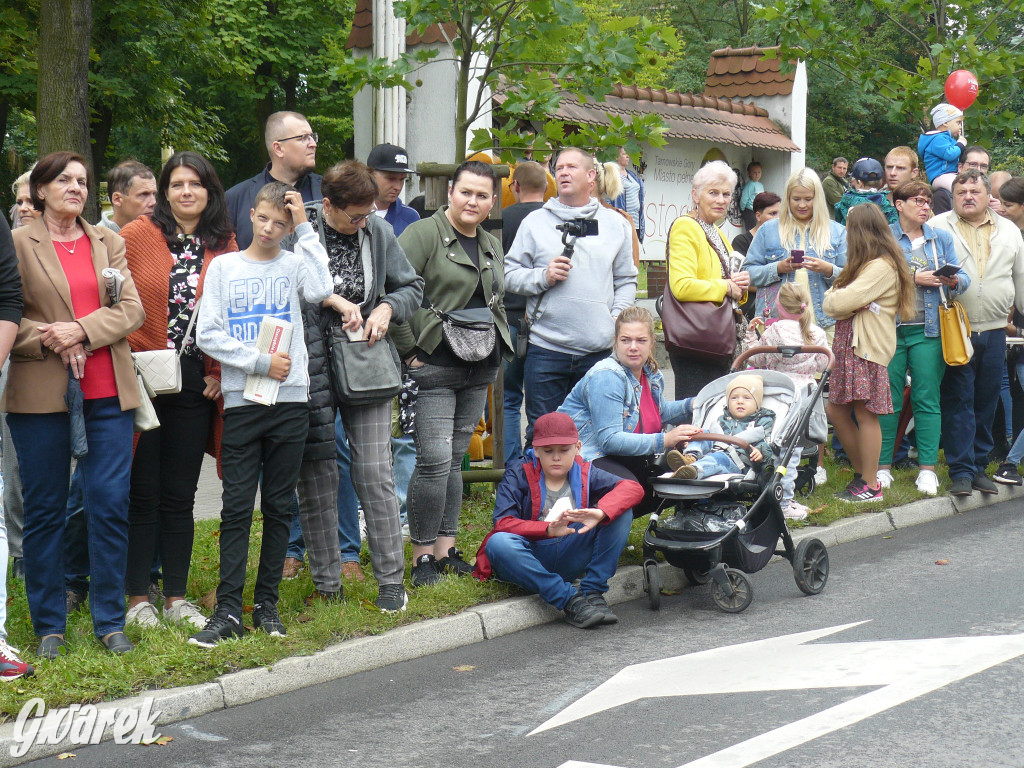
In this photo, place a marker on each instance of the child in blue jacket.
(940, 149)
(556, 518)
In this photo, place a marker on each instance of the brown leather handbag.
(703, 330)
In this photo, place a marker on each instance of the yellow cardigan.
(874, 333)
(694, 270)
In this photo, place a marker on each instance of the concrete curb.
(483, 622)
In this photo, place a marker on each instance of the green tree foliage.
(495, 43)
(932, 38)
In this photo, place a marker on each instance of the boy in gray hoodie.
(240, 290)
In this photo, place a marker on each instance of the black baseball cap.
(388, 157)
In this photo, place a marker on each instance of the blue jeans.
(969, 397)
(43, 441)
(403, 451)
(547, 566)
(1006, 398)
(514, 370)
(348, 507)
(717, 463)
(549, 377)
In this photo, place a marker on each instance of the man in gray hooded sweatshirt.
(578, 298)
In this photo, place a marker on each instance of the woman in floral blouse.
(168, 255)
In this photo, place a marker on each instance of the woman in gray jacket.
(374, 285)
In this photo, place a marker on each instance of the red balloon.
(961, 89)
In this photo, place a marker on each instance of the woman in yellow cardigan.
(699, 268)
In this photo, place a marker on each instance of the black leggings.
(642, 469)
(165, 474)
(692, 375)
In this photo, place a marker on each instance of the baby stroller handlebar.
(785, 351)
(711, 437)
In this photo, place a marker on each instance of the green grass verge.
(163, 659)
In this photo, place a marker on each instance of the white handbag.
(145, 415)
(161, 368)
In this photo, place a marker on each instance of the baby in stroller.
(745, 419)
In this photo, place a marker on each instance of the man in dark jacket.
(390, 166)
(291, 144)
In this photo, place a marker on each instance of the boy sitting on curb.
(557, 517)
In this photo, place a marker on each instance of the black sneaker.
(983, 483)
(597, 600)
(425, 572)
(220, 626)
(319, 597)
(73, 600)
(961, 486)
(265, 617)
(859, 491)
(1007, 474)
(454, 564)
(580, 613)
(391, 598)
(18, 568)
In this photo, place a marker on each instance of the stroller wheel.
(652, 583)
(697, 576)
(810, 566)
(741, 588)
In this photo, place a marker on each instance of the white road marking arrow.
(905, 669)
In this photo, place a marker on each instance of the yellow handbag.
(955, 330)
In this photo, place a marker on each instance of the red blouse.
(76, 260)
(650, 417)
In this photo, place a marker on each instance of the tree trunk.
(265, 107)
(5, 109)
(291, 92)
(62, 104)
(101, 133)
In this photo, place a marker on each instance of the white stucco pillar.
(389, 120)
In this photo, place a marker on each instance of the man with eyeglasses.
(972, 157)
(291, 144)
(991, 252)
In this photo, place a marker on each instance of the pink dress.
(787, 333)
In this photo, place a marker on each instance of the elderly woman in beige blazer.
(70, 328)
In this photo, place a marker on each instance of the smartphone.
(946, 270)
(797, 256)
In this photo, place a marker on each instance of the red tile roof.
(745, 73)
(687, 115)
(361, 35)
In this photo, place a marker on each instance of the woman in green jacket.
(463, 267)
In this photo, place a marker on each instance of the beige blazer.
(38, 380)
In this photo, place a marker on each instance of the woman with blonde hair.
(803, 245)
(608, 185)
(699, 266)
(619, 406)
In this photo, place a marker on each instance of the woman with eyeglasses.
(374, 286)
(918, 344)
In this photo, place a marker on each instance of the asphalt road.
(930, 677)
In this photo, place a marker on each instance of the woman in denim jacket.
(918, 343)
(803, 224)
(619, 406)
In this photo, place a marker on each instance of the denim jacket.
(766, 251)
(605, 405)
(938, 245)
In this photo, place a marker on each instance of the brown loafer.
(350, 569)
(292, 566)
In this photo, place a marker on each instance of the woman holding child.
(462, 267)
(169, 254)
(619, 406)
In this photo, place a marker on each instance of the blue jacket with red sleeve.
(520, 498)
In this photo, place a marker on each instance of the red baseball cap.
(555, 429)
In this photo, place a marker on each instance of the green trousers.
(922, 356)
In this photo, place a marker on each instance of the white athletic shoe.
(884, 477)
(795, 511)
(927, 482)
(183, 610)
(143, 615)
(820, 476)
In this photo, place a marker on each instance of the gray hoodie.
(578, 315)
(239, 292)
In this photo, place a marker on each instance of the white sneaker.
(820, 476)
(795, 511)
(142, 615)
(927, 482)
(183, 610)
(884, 477)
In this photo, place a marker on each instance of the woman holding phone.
(803, 245)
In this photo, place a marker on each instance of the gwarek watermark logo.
(82, 724)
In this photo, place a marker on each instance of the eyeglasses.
(305, 138)
(354, 220)
(922, 202)
(983, 167)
